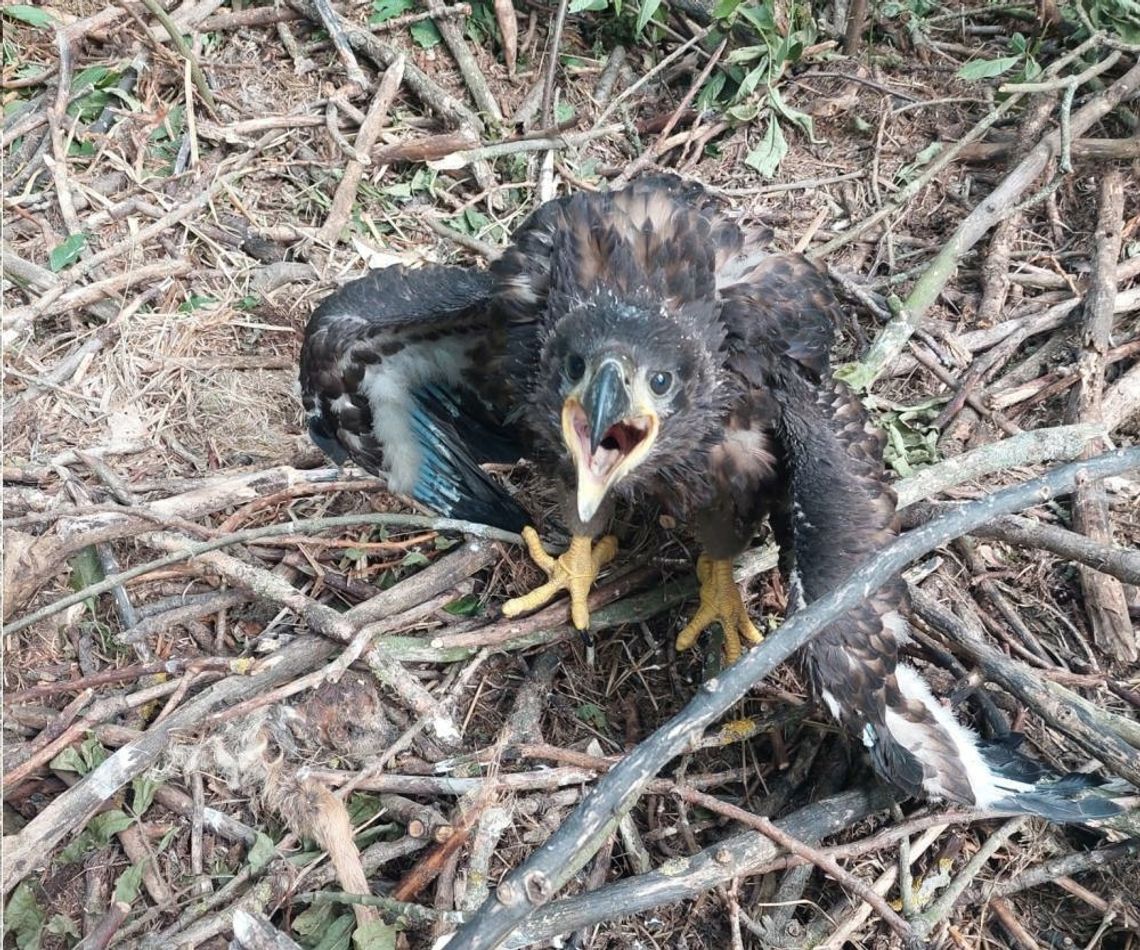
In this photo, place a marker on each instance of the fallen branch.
(546, 871)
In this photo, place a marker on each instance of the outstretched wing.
(835, 510)
(400, 371)
(842, 512)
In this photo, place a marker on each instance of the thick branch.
(577, 839)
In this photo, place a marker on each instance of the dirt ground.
(166, 236)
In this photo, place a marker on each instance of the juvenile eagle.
(638, 343)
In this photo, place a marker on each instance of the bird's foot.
(573, 571)
(720, 603)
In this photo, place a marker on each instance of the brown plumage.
(640, 343)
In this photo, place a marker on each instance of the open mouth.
(619, 442)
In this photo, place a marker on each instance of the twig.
(1120, 562)
(541, 876)
(686, 878)
(473, 77)
(1040, 445)
(1048, 871)
(1104, 597)
(185, 52)
(822, 861)
(369, 130)
(338, 28)
(74, 808)
(553, 49)
(926, 921)
(997, 206)
(650, 155)
(422, 86)
(189, 551)
(1012, 925)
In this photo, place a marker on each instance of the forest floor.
(193, 738)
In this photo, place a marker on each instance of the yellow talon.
(720, 602)
(573, 571)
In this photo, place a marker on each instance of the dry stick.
(1012, 925)
(1113, 739)
(1000, 203)
(190, 551)
(184, 50)
(688, 877)
(421, 85)
(353, 172)
(822, 861)
(1048, 871)
(546, 871)
(74, 808)
(1122, 400)
(651, 155)
(1119, 562)
(926, 921)
(1054, 443)
(1089, 150)
(1105, 603)
(554, 44)
(473, 77)
(337, 27)
(13, 323)
(854, 921)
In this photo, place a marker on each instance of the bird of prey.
(640, 343)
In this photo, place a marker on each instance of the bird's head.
(634, 389)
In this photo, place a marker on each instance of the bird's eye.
(575, 367)
(661, 383)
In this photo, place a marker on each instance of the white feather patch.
(387, 387)
(987, 787)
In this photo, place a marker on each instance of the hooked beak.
(609, 432)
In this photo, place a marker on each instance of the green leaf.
(1017, 43)
(195, 302)
(414, 559)
(107, 824)
(465, 606)
(760, 16)
(129, 884)
(383, 10)
(749, 83)
(563, 112)
(311, 922)
(593, 715)
(336, 935)
(723, 9)
(579, 6)
(68, 252)
(801, 119)
(33, 16)
(425, 34)
(710, 92)
(24, 918)
(261, 852)
(363, 807)
(771, 151)
(746, 54)
(375, 935)
(645, 14)
(81, 759)
(987, 68)
(143, 788)
(61, 925)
